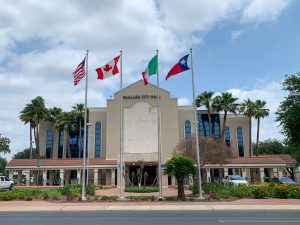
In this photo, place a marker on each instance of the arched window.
(227, 136)
(60, 144)
(239, 132)
(98, 134)
(187, 129)
(49, 143)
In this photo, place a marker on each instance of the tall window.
(227, 136)
(49, 143)
(203, 125)
(60, 144)
(187, 129)
(74, 144)
(98, 128)
(239, 132)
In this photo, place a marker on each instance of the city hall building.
(62, 160)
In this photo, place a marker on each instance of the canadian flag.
(109, 69)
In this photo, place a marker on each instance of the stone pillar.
(118, 178)
(78, 176)
(50, 177)
(164, 179)
(262, 174)
(208, 175)
(113, 177)
(107, 177)
(275, 172)
(173, 181)
(244, 172)
(10, 175)
(96, 176)
(27, 174)
(280, 174)
(44, 177)
(19, 177)
(62, 177)
(225, 172)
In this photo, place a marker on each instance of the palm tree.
(227, 103)
(260, 112)
(79, 114)
(27, 118)
(180, 167)
(66, 122)
(248, 110)
(205, 98)
(52, 115)
(34, 113)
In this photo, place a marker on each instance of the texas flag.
(109, 69)
(181, 66)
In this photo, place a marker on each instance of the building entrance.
(146, 176)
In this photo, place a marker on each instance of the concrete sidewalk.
(237, 205)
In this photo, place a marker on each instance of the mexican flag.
(150, 70)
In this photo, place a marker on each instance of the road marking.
(258, 221)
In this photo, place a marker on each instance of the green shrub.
(281, 191)
(141, 198)
(142, 189)
(109, 198)
(259, 192)
(54, 194)
(7, 196)
(91, 189)
(71, 191)
(218, 191)
(294, 193)
(194, 188)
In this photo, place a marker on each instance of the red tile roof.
(265, 159)
(59, 162)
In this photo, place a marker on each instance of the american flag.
(79, 72)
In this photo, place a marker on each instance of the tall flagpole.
(158, 131)
(196, 131)
(121, 134)
(83, 198)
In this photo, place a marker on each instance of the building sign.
(134, 97)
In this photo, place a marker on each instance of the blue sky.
(242, 46)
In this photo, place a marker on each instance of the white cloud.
(263, 10)
(184, 101)
(236, 34)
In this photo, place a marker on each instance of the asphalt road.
(150, 218)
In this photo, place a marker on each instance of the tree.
(288, 114)
(227, 103)
(272, 146)
(259, 112)
(4, 144)
(248, 110)
(79, 112)
(213, 151)
(3, 163)
(52, 115)
(25, 154)
(180, 167)
(34, 113)
(66, 121)
(205, 98)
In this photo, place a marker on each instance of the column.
(78, 176)
(208, 175)
(113, 177)
(275, 172)
(173, 180)
(225, 172)
(19, 177)
(96, 176)
(27, 175)
(61, 177)
(107, 177)
(44, 177)
(50, 177)
(164, 179)
(280, 174)
(10, 175)
(262, 174)
(244, 172)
